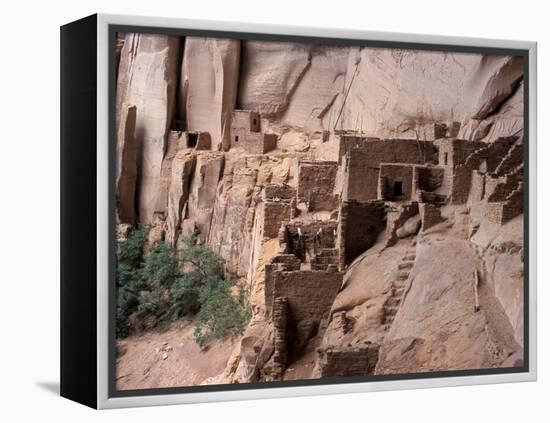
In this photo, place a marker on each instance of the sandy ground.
(168, 358)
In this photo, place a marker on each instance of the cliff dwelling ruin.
(354, 216)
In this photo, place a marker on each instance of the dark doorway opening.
(397, 188)
(445, 158)
(236, 138)
(192, 138)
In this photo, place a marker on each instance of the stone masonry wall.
(280, 322)
(430, 215)
(363, 163)
(359, 227)
(391, 173)
(259, 143)
(347, 361)
(279, 191)
(477, 187)
(276, 212)
(316, 184)
(242, 123)
(504, 211)
(305, 239)
(280, 262)
(396, 215)
(485, 159)
(428, 178)
(310, 294)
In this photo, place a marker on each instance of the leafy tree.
(167, 283)
(220, 313)
(128, 275)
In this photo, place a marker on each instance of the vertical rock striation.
(208, 86)
(126, 167)
(147, 78)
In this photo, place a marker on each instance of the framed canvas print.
(256, 211)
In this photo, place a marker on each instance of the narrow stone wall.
(359, 227)
(280, 322)
(305, 239)
(392, 174)
(288, 262)
(325, 258)
(485, 159)
(275, 213)
(397, 214)
(347, 361)
(363, 163)
(502, 212)
(243, 122)
(259, 143)
(310, 294)
(316, 182)
(430, 215)
(477, 187)
(279, 191)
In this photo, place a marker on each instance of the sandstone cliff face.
(409, 299)
(126, 165)
(208, 86)
(148, 79)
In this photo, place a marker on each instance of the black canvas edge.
(113, 28)
(78, 266)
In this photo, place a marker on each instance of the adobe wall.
(310, 294)
(513, 159)
(257, 142)
(276, 212)
(305, 239)
(279, 191)
(347, 361)
(430, 215)
(485, 159)
(428, 178)
(502, 212)
(477, 187)
(203, 141)
(280, 262)
(453, 152)
(325, 258)
(396, 215)
(359, 227)
(242, 123)
(350, 141)
(316, 180)
(363, 163)
(390, 173)
(280, 323)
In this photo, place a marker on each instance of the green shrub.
(165, 283)
(160, 266)
(130, 250)
(128, 276)
(220, 313)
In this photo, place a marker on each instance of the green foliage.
(128, 276)
(220, 313)
(166, 283)
(130, 250)
(160, 266)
